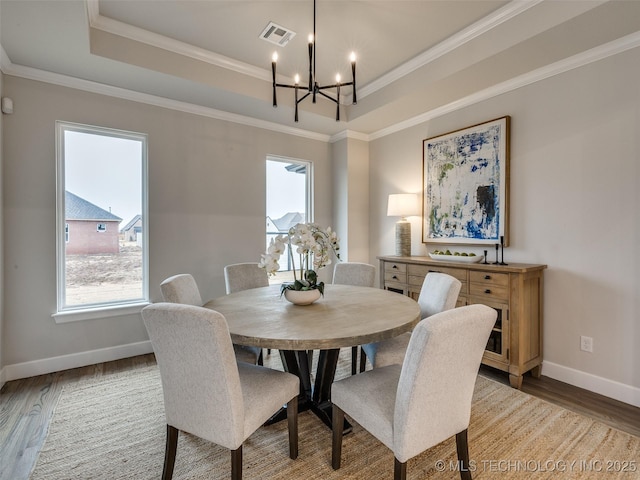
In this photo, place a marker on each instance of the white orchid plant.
(313, 245)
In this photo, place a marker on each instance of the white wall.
(575, 148)
(206, 209)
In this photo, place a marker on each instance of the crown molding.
(601, 52)
(137, 34)
(117, 92)
(349, 134)
(482, 26)
(5, 62)
(595, 54)
(115, 27)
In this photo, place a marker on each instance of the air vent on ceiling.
(274, 33)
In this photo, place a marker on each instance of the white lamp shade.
(403, 205)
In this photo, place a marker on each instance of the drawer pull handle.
(487, 291)
(395, 266)
(394, 277)
(487, 277)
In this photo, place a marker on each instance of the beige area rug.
(114, 428)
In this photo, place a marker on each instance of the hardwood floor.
(27, 406)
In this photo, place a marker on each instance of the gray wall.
(206, 207)
(575, 180)
(574, 197)
(2, 363)
(351, 198)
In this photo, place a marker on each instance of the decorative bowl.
(302, 297)
(457, 258)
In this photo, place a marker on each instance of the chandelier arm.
(325, 87)
(303, 97)
(327, 96)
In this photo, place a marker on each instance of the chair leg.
(292, 420)
(170, 452)
(363, 360)
(337, 420)
(462, 446)
(399, 470)
(260, 358)
(236, 463)
(354, 360)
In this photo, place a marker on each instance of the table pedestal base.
(318, 398)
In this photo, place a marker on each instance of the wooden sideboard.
(514, 290)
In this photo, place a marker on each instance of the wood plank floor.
(27, 405)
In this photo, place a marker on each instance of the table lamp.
(402, 205)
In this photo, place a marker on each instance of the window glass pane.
(102, 194)
(288, 201)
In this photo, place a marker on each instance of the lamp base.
(403, 238)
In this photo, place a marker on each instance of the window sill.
(99, 312)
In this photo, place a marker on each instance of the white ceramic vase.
(302, 297)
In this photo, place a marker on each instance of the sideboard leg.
(515, 381)
(536, 372)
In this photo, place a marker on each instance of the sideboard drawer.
(488, 291)
(395, 272)
(489, 278)
(422, 270)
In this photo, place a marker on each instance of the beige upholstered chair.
(439, 292)
(182, 288)
(416, 405)
(206, 392)
(360, 275)
(243, 276)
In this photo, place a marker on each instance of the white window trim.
(88, 312)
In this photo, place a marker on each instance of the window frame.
(66, 313)
(309, 200)
(309, 206)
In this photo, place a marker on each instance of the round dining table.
(344, 316)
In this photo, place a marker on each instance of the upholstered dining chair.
(426, 400)
(439, 293)
(360, 275)
(206, 392)
(182, 288)
(243, 276)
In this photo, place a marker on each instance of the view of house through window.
(101, 213)
(288, 203)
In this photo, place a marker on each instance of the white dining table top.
(345, 316)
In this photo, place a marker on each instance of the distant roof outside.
(77, 208)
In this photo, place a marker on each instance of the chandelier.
(313, 88)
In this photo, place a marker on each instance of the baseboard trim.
(74, 360)
(609, 388)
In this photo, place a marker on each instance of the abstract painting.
(466, 185)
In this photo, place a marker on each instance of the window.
(102, 196)
(288, 203)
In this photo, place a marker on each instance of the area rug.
(114, 428)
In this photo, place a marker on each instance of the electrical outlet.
(586, 344)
